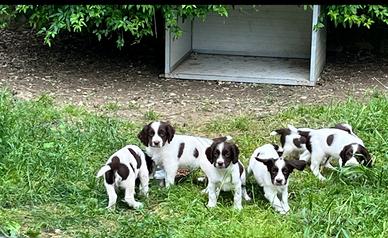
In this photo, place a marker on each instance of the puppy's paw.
(211, 205)
(286, 209)
(204, 191)
(237, 207)
(137, 205)
(283, 212)
(144, 193)
(321, 178)
(201, 179)
(247, 198)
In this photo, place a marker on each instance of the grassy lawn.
(50, 156)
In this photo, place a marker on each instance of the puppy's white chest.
(225, 181)
(227, 186)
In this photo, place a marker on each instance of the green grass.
(49, 158)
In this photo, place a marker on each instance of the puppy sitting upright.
(121, 171)
(225, 173)
(271, 172)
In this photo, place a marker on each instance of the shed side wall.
(181, 46)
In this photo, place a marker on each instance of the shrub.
(104, 21)
(116, 21)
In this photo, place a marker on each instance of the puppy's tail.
(280, 131)
(273, 133)
(103, 170)
(223, 139)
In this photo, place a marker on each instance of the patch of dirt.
(77, 70)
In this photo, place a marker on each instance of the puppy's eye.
(152, 133)
(227, 154)
(274, 170)
(285, 171)
(161, 133)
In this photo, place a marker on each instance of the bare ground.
(77, 70)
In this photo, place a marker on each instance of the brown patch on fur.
(366, 158)
(346, 153)
(136, 156)
(181, 148)
(145, 134)
(133, 169)
(121, 169)
(196, 153)
(296, 142)
(329, 140)
(283, 132)
(166, 132)
(307, 138)
(341, 127)
(240, 166)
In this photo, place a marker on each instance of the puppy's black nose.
(278, 180)
(156, 142)
(220, 163)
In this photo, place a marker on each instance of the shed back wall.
(273, 31)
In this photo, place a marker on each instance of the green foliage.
(104, 21)
(359, 15)
(117, 21)
(50, 156)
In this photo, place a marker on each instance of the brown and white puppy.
(121, 171)
(326, 144)
(292, 144)
(272, 173)
(225, 172)
(173, 151)
(293, 140)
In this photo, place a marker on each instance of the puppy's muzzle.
(156, 144)
(278, 182)
(220, 165)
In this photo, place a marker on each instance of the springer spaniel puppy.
(121, 171)
(332, 143)
(271, 172)
(292, 143)
(225, 172)
(173, 151)
(293, 140)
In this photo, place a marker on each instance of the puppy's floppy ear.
(267, 162)
(222, 139)
(209, 153)
(143, 135)
(275, 146)
(367, 158)
(236, 153)
(303, 139)
(346, 153)
(296, 164)
(281, 131)
(170, 132)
